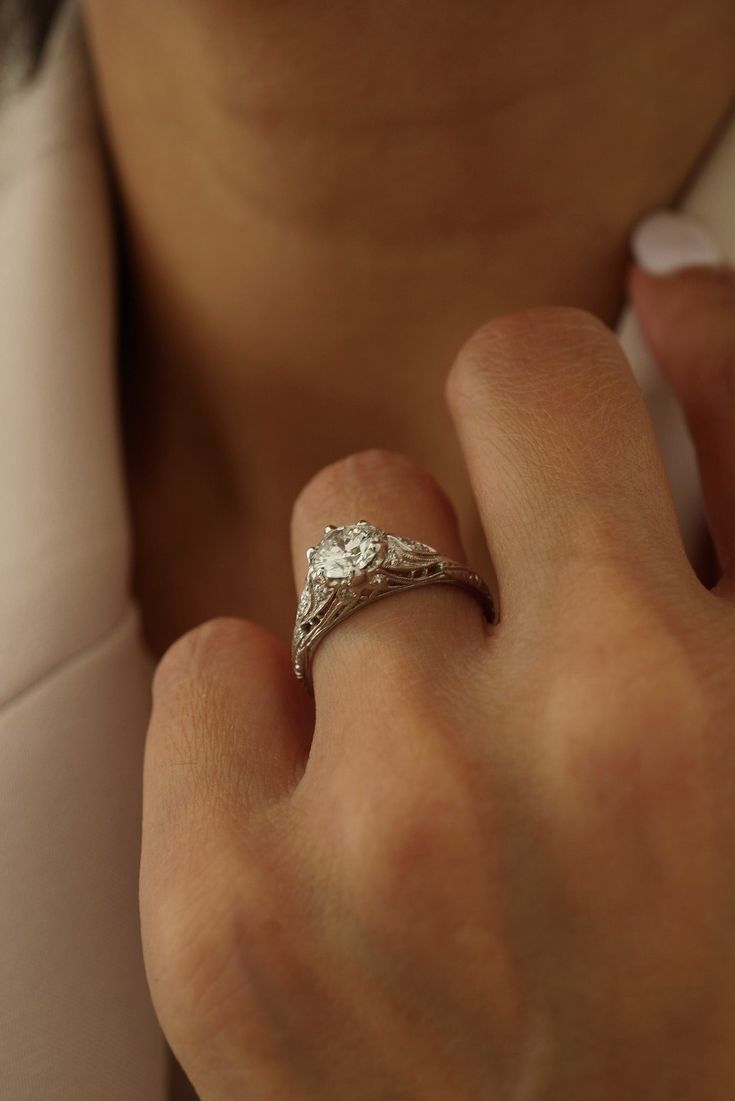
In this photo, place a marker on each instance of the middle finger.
(563, 461)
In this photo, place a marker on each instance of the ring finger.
(412, 647)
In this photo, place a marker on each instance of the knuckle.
(198, 714)
(633, 782)
(516, 345)
(603, 565)
(204, 647)
(215, 951)
(340, 490)
(636, 757)
(468, 375)
(184, 930)
(402, 841)
(563, 327)
(626, 675)
(599, 553)
(421, 839)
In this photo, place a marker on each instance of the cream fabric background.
(76, 1022)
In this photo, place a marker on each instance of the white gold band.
(358, 563)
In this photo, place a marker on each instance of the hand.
(500, 864)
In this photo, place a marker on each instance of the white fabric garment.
(76, 1021)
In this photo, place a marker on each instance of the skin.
(503, 869)
(499, 865)
(306, 258)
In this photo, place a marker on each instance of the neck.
(322, 205)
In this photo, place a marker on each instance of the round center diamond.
(347, 552)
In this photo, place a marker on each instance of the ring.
(358, 563)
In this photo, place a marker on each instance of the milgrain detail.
(359, 563)
(24, 31)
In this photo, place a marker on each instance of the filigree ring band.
(358, 563)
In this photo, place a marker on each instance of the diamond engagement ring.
(358, 563)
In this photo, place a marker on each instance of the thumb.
(683, 295)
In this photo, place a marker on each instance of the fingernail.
(667, 242)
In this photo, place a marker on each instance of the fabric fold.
(76, 1018)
